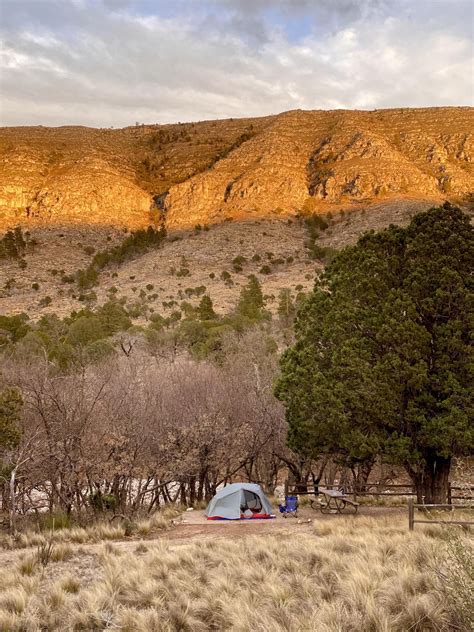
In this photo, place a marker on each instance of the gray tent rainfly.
(239, 501)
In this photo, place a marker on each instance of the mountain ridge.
(210, 171)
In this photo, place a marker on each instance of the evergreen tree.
(10, 406)
(205, 309)
(286, 308)
(251, 301)
(382, 362)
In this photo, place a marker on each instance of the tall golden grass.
(356, 574)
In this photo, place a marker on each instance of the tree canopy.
(382, 363)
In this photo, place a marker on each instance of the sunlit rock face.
(212, 171)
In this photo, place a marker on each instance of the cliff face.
(211, 171)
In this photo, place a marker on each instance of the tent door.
(250, 501)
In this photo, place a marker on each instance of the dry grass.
(353, 575)
(96, 532)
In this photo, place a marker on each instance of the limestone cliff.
(215, 170)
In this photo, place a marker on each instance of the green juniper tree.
(251, 300)
(382, 363)
(205, 309)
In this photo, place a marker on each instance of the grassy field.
(349, 574)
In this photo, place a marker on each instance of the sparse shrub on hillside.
(321, 253)
(135, 244)
(188, 310)
(175, 316)
(10, 283)
(256, 258)
(238, 263)
(265, 269)
(212, 275)
(183, 272)
(35, 286)
(227, 278)
(45, 301)
(86, 278)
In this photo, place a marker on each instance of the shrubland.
(111, 415)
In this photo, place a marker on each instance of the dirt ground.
(193, 524)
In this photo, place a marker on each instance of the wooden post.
(450, 500)
(287, 485)
(411, 514)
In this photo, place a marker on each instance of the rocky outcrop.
(215, 170)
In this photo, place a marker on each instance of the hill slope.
(243, 168)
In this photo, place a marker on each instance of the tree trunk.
(432, 482)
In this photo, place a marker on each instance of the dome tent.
(239, 501)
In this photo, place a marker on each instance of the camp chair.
(290, 508)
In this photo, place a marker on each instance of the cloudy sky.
(113, 62)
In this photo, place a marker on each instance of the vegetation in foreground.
(351, 574)
(382, 364)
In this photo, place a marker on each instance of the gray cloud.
(113, 62)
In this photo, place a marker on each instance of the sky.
(109, 63)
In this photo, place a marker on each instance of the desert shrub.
(322, 253)
(45, 301)
(135, 244)
(256, 258)
(183, 272)
(238, 263)
(87, 278)
(227, 277)
(103, 502)
(265, 269)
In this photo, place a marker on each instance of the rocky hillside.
(207, 172)
(216, 261)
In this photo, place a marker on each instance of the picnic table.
(333, 501)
